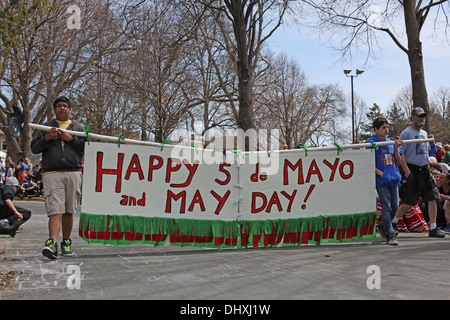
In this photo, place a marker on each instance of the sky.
(383, 78)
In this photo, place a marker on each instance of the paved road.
(416, 269)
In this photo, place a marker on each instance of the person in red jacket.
(440, 152)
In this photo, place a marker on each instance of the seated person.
(444, 202)
(442, 180)
(11, 217)
(29, 189)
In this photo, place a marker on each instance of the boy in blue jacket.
(387, 178)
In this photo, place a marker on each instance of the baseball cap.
(11, 181)
(418, 112)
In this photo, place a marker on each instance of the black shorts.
(419, 184)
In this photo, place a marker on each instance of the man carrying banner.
(61, 166)
(418, 182)
(387, 178)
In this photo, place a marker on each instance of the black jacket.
(17, 113)
(54, 156)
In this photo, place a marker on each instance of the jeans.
(14, 122)
(389, 200)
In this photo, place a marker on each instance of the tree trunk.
(13, 149)
(415, 58)
(25, 136)
(245, 116)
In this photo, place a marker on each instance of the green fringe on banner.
(113, 229)
(125, 229)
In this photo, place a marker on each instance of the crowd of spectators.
(28, 175)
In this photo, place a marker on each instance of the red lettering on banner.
(311, 188)
(221, 200)
(192, 169)
(170, 196)
(197, 199)
(256, 176)
(263, 197)
(290, 198)
(227, 174)
(274, 200)
(101, 172)
(152, 166)
(333, 167)
(141, 202)
(314, 169)
(132, 201)
(298, 166)
(135, 166)
(171, 169)
(341, 169)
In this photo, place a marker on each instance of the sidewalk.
(418, 268)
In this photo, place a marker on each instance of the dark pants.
(14, 222)
(441, 221)
(419, 184)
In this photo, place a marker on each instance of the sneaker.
(436, 233)
(446, 230)
(392, 238)
(51, 249)
(65, 248)
(5, 227)
(392, 241)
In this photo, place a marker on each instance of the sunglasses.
(421, 116)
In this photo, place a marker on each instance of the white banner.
(202, 184)
(321, 183)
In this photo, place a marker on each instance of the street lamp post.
(347, 73)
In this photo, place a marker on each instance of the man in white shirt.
(418, 182)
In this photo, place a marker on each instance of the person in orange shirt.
(21, 171)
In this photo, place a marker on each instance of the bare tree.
(398, 120)
(440, 113)
(100, 99)
(213, 79)
(440, 102)
(47, 56)
(156, 74)
(358, 21)
(299, 110)
(249, 31)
